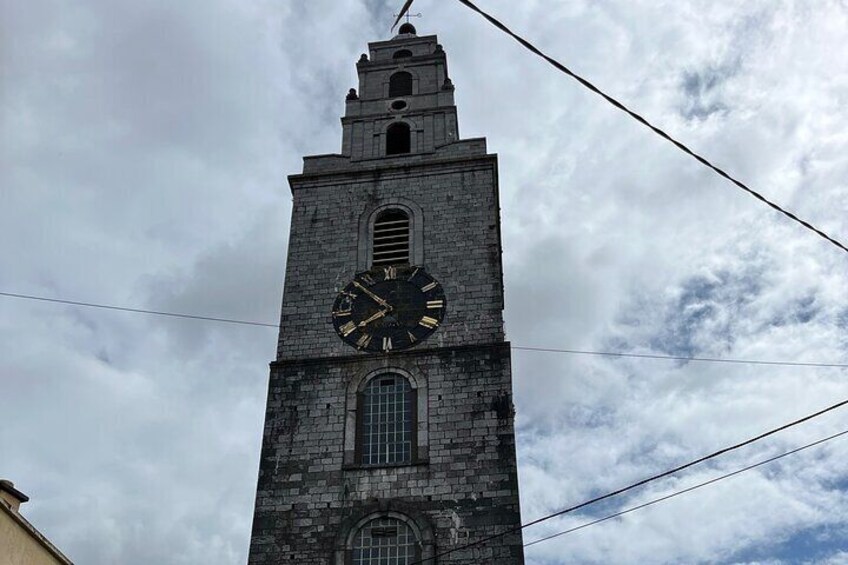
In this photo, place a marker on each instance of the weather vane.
(405, 12)
(407, 16)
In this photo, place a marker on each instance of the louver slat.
(391, 238)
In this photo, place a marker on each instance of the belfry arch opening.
(400, 84)
(398, 139)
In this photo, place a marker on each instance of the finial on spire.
(405, 12)
(407, 29)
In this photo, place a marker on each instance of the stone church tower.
(389, 427)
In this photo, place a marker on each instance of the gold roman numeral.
(347, 329)
(366, 278)
(364, 341)
(429, 287)
(412, 338)
(341, 313)
(389, 273)
(431, 304)
(429, 322)
(387, 344)
(415, 272)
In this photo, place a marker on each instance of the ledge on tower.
(472, 148)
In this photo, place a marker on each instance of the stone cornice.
(383, 170)
(408, 114)
(280, 363)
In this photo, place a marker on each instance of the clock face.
(389, 308)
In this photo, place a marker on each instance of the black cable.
(676, 358)
(690, 489)
(559, 66)
(402, 13)
(516, 347)
(639, 483)
(136, 310)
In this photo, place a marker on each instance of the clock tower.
(389, 426)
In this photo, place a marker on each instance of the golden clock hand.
(376, 316)
(376, 298)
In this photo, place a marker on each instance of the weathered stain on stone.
(502, 405)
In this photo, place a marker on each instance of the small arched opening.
(385, 541)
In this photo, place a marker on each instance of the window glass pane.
(386, 421)
(384, 541)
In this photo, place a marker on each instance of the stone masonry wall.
(467, 490)
(461, 249)
(462, 483)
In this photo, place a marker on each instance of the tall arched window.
(385, 541)
(391, 238)
(400, 84)
(387, 417)
(398, 139)
(400, 399)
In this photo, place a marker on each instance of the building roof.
(8, 487)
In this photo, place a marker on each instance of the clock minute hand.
(376, 298)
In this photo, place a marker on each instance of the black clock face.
(389, 308)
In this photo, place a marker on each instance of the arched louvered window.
(390, 245)
(386, 421)
(402, 54)
(400, 84)
(398, 139)
(384, 541)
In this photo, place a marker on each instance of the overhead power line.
(701, 159)
(637, 484)
(684, 491)
(516, 347)
(136, 310)
(680, 358)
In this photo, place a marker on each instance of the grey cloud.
(144, 154)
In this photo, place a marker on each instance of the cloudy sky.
(143, 160)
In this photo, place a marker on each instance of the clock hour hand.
(376, 316)
(373, 296)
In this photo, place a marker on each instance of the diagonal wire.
(136, 310)
(679, 358)
(703, 160)
(515, 347)
(643, 482)
(684, 491)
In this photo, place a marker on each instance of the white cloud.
(144, 150)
